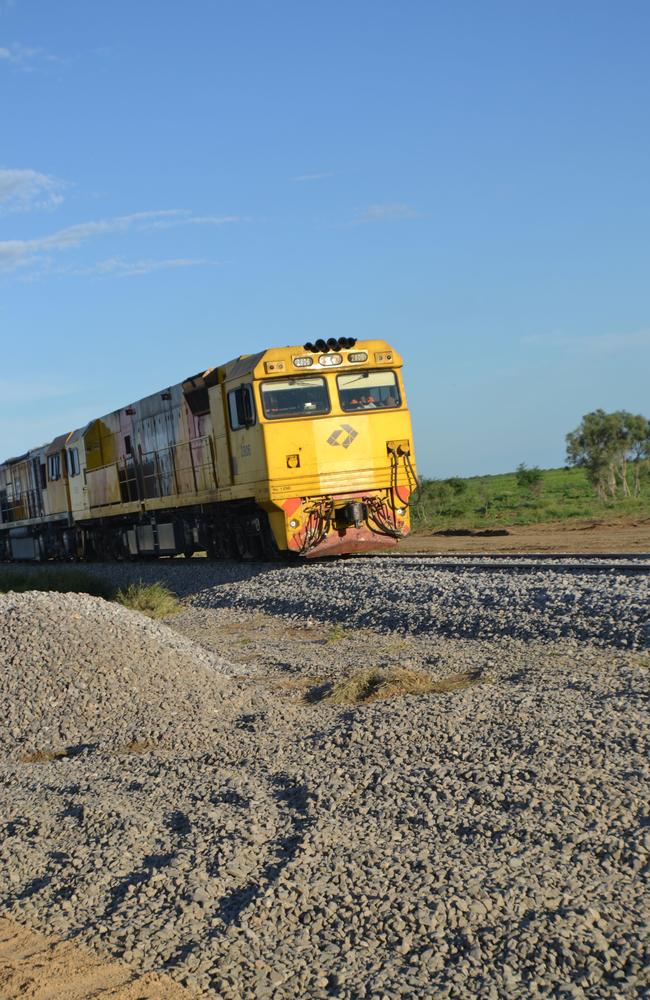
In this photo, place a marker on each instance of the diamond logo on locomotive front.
(335, 436)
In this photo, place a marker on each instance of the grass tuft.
(336, 633)
(44, 756)
(64, 581)
(151, 599)
(374, 683)
(139, 747)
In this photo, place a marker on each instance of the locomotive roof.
(251, 364)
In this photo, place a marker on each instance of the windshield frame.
(294, 416)
(361, 374)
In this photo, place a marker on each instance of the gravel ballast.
(490, 843)
(536, 599)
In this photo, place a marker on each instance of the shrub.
(436, 498)
(458, 485)
(151, 599)
(529, 479)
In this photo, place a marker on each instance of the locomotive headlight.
(330, 360)
(304, 362)
(294, 522)
(357, 356)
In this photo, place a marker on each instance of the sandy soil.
(35, 967)
(630, 534)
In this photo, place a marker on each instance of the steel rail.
(614, 563)
(578, 556)
(621, 564)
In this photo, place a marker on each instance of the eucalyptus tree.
(605, 444)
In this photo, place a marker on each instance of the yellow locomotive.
(305, 450)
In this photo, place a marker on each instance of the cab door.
(57, 476)
(247, 463)
(76, 461)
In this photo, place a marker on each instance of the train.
(302, 451)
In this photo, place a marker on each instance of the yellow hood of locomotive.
(334, 453)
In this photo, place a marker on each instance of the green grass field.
(498, 501)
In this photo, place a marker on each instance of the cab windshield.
(295, 397)
(364, 390)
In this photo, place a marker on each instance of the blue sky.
(181, 183)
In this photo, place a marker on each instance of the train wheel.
(268, 544)
(219, 546)
(243, 544)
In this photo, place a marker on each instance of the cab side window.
(241, 407)
(53, 467)
(73, 462)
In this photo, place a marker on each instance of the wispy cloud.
(121, 268)
(18, 253)
(323, 176)
(31, 388)
(199, 220)
(394, 211)
(592, 346)
(23, 190)
(25, 57)
(33, 252)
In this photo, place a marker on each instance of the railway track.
(615, 564)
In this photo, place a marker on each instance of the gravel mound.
(489, 843)
(79, 671)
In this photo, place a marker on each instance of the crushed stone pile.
(492, 843)
(77, 670)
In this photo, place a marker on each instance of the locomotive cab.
(337, 439)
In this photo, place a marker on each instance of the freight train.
(294, 450)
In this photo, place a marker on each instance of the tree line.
(614, 449)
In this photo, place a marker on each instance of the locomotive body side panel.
(152, 454)
(221, 444)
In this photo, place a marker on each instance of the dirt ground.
(630, 534)
(35, 967)
(38, 967)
